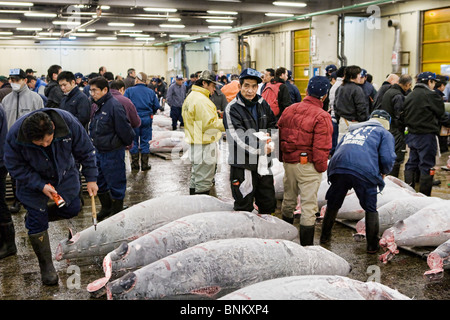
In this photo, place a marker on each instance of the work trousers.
(175, 114)
(203, 159)
(111, 173)
(422, 152)
(5, 214)
(142, 137)
(303, 180)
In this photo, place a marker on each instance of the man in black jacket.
(392, 102)
(390, 80)
(52, 91)
(422, 110)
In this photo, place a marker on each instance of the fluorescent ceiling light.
(222, 12)
(69, 23)
(72, 38)
(46, 38)
(6, 33)
(130, 31)
(279, 14)
(13, 11)
(6, 38)
(219, 27)
(180, 26)
(78, 34)
(16, 4)
(106, 38)
(105, 7)
(289, 4)
(29, 29)
(84, 30)
(179, 36)
(174, 19)
(40, 14)
(138, 35)
(219, 21)
(145, 39)
(121, 24)
(10, 21)
(160, 10)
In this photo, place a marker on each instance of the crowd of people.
(58, 128)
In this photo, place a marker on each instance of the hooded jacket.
(18, 103)
(367, 151)
(201, 122)
(306, 127)
(33, 167)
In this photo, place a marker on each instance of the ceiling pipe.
(396, 59)
(273, 22)
(86, 24)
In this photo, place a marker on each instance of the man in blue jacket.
(175, 98)
(146, 103)
(40, 153)
(111, 132)
(362, 158)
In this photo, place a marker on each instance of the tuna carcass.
(438, 260)
(187, 232)
(316, 287)
(429, 226)
(394, 211)
(215, 268)
(135, 222)
(351, 209)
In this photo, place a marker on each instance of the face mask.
(15, 86)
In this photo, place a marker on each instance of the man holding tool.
(41, 150)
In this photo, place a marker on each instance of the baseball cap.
(78, 75)
(250, 73)
(3, 79)
(318, 86)
(383, 117)
(208, 76)
(363, 73)
(179, 77)
(289, 74)
(426, 76)
(330, 68)
(17, 73)
(142, 76)
(30, 71)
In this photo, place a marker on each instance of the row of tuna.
(198, 247)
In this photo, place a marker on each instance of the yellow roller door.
(301, 59)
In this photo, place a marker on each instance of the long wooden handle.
(94, 212)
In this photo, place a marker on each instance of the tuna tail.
(121, 286)
(120, 252)
(70, 240)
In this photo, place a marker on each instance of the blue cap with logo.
(17, 73)
(318, 86)
(330, 68)
(363, 73)
(250, 73)
(426, 76)
(78, 75)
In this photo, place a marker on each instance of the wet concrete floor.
(20, 275)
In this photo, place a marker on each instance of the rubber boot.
(16, 205)
(191, 191)
(7, 240)
(372, 229)
(41, 246)
(395, 170)
(287, 219)
(327, 225)
(135, 162)
(144, 162)
(307, 235)
(106, 201)
(426, 184)
(117, 206)
(410, 178)
(204, 192)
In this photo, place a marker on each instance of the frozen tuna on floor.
(438, 260)
(316, 287)
(429, 226)
(213, 269)
(394, 211)
(187, 232)
(135, 222)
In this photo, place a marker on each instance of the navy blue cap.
(318, 86)
(250, 73)
(78, 75)
(363, 73)
(289, 74)
(383, 117)
(330, 68)
(426, 76)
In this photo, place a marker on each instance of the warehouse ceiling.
(141, 21)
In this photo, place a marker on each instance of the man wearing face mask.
(17, 103)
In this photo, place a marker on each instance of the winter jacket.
(77, 104)
(5, 90)
(380, 93)
(201, 122)
(144, 99)
(40, 86)
(241, 119)
(176, 95)
(219, 99)
(17, 103)
(54, 94)
(284, 98)
(422, 110)
(306, 127)
(130, 109)
(351, 103)
(294, 92)
(32, 166)
(392, 102)
(129, 81)
(367, 151)
(230, 90)
(110, 128)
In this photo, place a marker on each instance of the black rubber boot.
(426, 184)
(191, 191)
(135, 162)
(287, 219)
(41, 246)
(144, 162)
(327, 225)
(307, 235)
(117, 206)
(106, 201)
(7, 240)
(410, 178)
(395, 170)
(16, 205)
(372, 229)
(204, 192)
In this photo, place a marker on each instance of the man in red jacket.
(305, 142)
